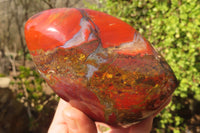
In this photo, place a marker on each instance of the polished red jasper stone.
(99, 64)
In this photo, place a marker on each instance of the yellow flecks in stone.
(65, 58)
(82, 57)
(81, 74)
(115, 92)
(133, 82)
(109, 75)
(124, 77)
(48, 76)
(103, 76)
(156, 85)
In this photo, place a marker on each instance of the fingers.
(78, 122)
(71, 120)
(68, 119)
(58, 124)
(144, 126)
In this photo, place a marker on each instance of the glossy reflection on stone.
(100, 64)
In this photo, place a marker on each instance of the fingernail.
(72, 124)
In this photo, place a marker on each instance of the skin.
(68, 119)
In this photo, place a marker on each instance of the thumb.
(78, 122)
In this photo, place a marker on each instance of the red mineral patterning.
(99, 64)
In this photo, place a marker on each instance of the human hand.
(68, 119)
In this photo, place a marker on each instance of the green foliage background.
(173, 27)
